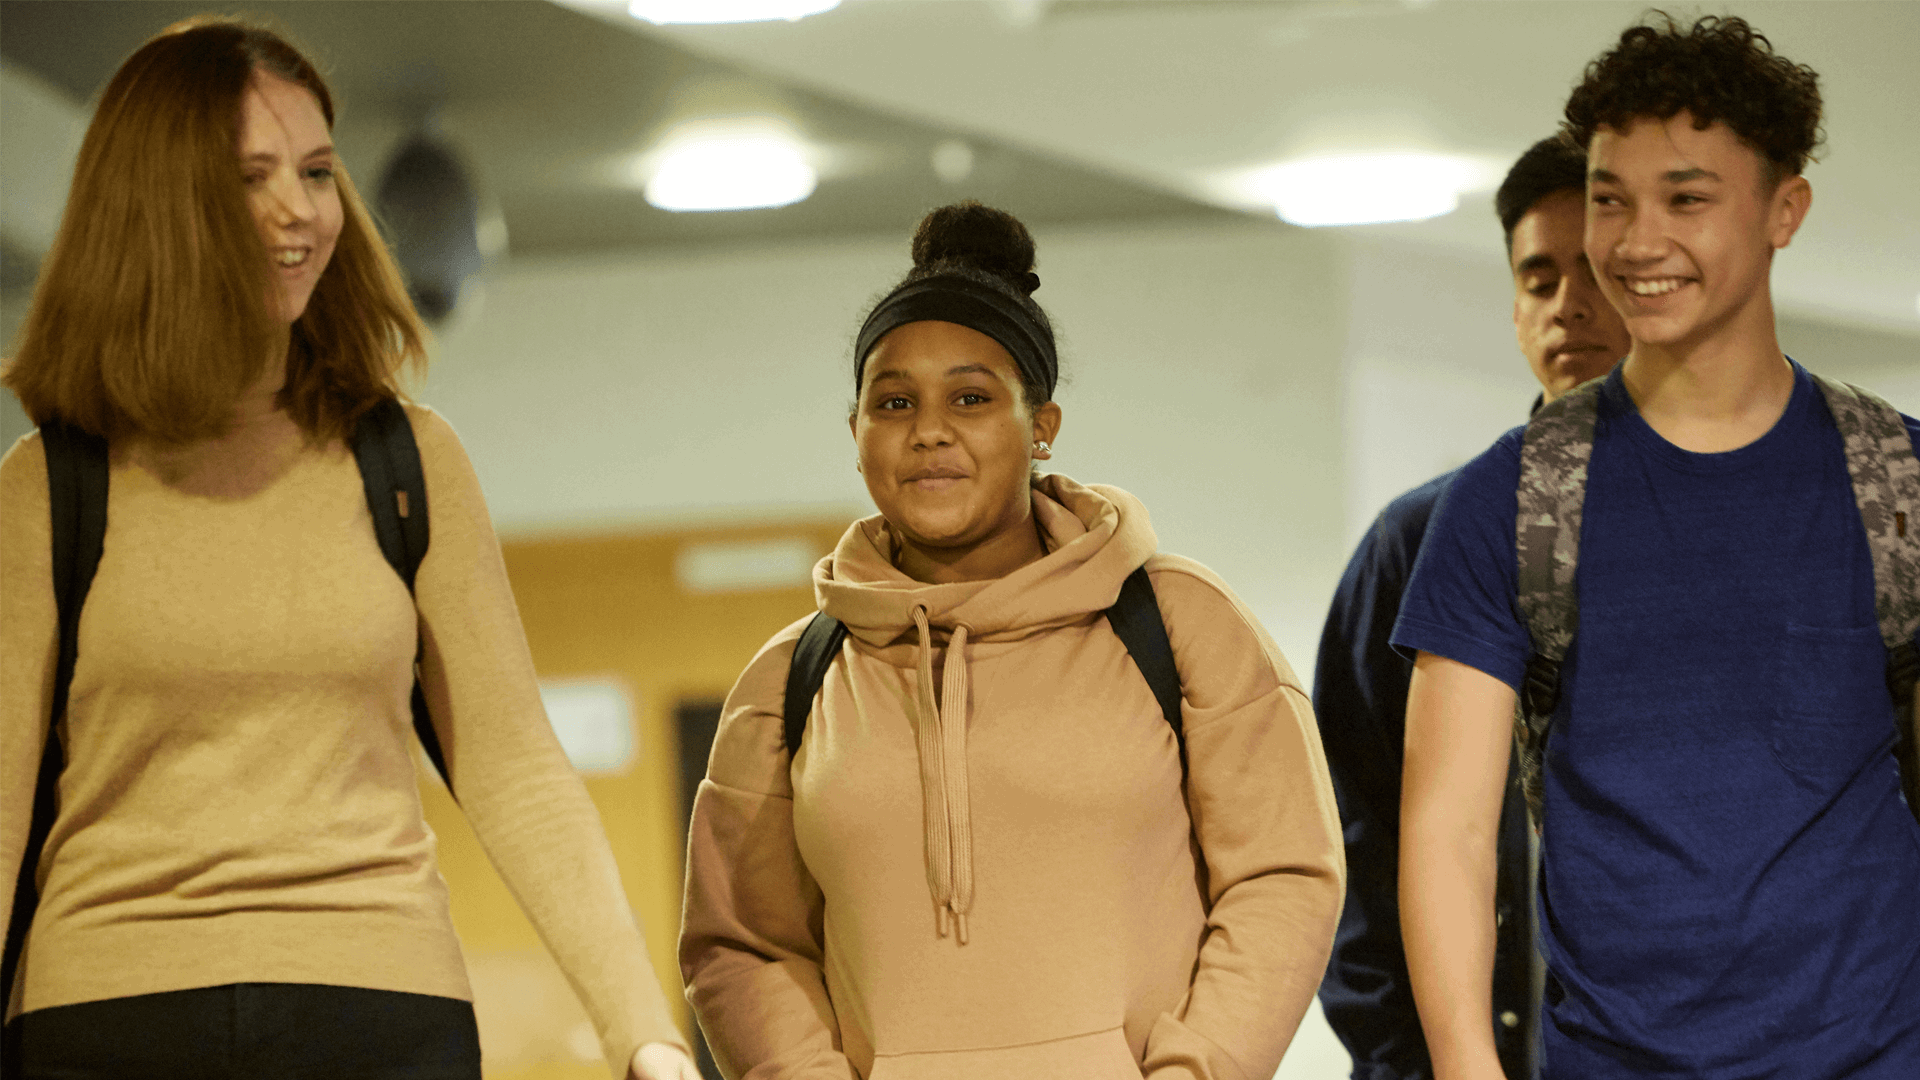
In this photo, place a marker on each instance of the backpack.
(1553, 488)
(396, 488)
(1136, 621)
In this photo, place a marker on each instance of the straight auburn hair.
(151, 315)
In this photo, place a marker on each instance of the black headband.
(955, 299)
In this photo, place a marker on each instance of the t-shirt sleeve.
(1461, 601)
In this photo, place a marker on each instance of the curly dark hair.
(1717, 69)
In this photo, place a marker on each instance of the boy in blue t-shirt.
(1730, 878)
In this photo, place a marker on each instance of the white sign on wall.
(782, 562)
(594, 718)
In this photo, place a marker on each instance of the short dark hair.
(1549, 166)
(1717, 69)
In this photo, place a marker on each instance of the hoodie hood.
(1095, 536)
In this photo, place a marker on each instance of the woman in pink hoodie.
(992, 854)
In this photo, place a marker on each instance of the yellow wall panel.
(608, 605)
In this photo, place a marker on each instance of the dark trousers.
(252, 1031)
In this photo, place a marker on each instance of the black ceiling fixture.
(426, 200)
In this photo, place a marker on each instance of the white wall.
(1202, 364)
(43, 131)
(1432, 373)
(1886, 363)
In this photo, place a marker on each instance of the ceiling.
(1075, 109)
(547, 104)
(1181, 95)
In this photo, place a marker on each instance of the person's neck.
(1716, 394)
(995, 557)
(260, 402)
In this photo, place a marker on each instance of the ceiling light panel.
(1363, 189)
(671, 12)
(729, 164)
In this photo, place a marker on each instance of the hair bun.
(980, 237)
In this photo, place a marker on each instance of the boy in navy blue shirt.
(1730, 878)
(1568, 333)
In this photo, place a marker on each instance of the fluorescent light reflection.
(1363, 189)
(729, 165)
(668, 12)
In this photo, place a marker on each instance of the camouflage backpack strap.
(1886, 487)
(1552, 493)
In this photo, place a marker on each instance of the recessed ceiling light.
(1363, 189)
(664, 12)
(729, 164)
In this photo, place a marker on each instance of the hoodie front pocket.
(1102, 1055)
(1833, 711)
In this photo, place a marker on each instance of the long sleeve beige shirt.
(239, 802)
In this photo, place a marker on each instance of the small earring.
(1041, 448)
(857, 468)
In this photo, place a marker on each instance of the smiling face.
(286, 156)
(946, 444)
(1682, 225)
(1566, 328)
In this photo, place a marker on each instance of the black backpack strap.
(396, 488)
(1137, 623)
(819, 643)
(1551, 497)
(1886, 489)
(77, 499)
(1135, 618)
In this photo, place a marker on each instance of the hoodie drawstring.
(942, 744)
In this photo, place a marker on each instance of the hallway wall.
(1202, 374)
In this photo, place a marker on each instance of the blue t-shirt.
(1730, 879)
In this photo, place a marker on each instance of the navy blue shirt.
(1730, 879)
(1360, 701)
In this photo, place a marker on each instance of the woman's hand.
(661, 1061)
